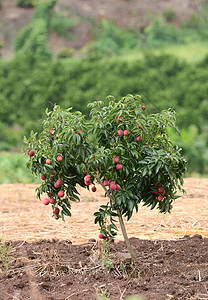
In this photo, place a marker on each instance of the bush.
(13, 169)
(63, 25)
(169, 14)
(132, 158)
(25, 3)
(65, 52)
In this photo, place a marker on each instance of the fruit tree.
(121, 147)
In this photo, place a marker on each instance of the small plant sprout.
(135, 166)
(5, 256)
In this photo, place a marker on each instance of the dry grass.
(23, 217)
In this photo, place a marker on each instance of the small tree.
(125, 150)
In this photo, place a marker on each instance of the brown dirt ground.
(55, 260)
(126, 13)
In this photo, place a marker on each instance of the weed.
(103, 295)
(4, 255)
(106, 261)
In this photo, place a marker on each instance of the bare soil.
(126, 13)
(55, 260)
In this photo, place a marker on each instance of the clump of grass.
(5, 257)
(13, 169)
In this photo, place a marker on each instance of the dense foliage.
(131, 157)
(34, 80)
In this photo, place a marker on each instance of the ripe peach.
(50, 194)
(52, 200)
(116, 159)
(126, 132)
(87, 177)
(59, 158)
(46, 201)
(120, 132)
(119, 167)
(143, 107)
(61, 193)
(52, 132)
(48, 161)
(31, 153)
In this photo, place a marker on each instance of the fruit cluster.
(102, 237)
(160, 192)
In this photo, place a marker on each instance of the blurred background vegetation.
(66, 52)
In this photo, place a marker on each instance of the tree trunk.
(128, 245)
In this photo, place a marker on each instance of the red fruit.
(56, 217)
(139, 138)
(81, 130)
(116, 159)
(56, 185)
(106, 182)
(120, 117)
(160, 198)
(106, 238)
(94, 189)
(52, 132)
(126, 132)
(87, 177)
(156, 192)
(53, 172)
(101, 236)
(113, 186)
(46, 201)
(59, 158)
(59, 182)
(87, 182)
(43, 177)
(56, 210)
(119, 167)
(48, 161)
(140, 126)
(160, 190)
(50, 194)
(31, 153)
(61, 193)
(52, 200)
(117, 187)
(143, 107)
(120, 132)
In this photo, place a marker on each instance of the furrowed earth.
(50, 259)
